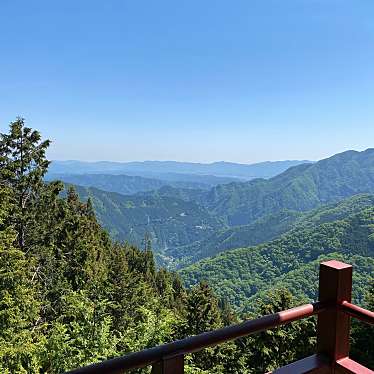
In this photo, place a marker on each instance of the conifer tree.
(279, 346)
(228, 315)
(203, 314)
(21, 337)
(22, 167)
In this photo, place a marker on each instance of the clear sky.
(193, 80)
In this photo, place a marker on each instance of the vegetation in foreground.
(70, 296)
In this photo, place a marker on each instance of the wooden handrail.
(357, 312)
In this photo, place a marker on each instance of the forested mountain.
(186, 221)
(131, 184)
(159, 169)
(242, 273)
(167, 222)
(300, 188)
(262, 230)
(303, 281)
(186, 225)
(266, 228)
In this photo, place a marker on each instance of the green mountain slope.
(166, 221)
(260, 231)
(304, 280)
(267, 228)
(300, 188)
(241, 273)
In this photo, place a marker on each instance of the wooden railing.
(334, 310)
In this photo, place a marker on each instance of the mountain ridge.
(300, 188)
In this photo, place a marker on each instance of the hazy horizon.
(208, 162)
(177, 161)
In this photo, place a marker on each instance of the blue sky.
(193, 80)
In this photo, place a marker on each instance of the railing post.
(169, 365)
(335, 286)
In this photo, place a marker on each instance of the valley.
(241, 236)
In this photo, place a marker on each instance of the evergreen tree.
(203, 314)
(282, 345)
(20, 330)
(228, 315)
(80, 335)
(22, 167)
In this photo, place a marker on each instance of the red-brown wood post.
(335, 285)
(169, 365)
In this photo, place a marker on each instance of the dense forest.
(70, 295)
(290, 259)
(168, 221)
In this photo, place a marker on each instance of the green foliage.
(168, 221)
(203, 314)
(299, 188)
(20, 326)
(80, 335)
(70, 296)
(277, 347)
(290, 260)
(22, 167)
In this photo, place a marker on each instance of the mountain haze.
(131, 184)
(156, 169)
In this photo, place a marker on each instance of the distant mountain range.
(187, 224)
(166, 170)
(131, 184)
